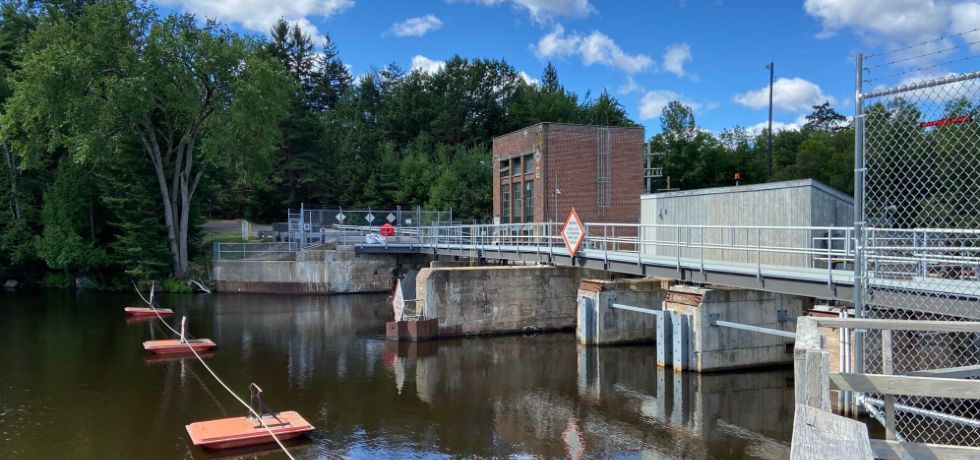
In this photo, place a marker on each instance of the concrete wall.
(499, 300)
(599, 324)
(715, 348)
(321, 272)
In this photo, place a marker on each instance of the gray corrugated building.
(799, 203)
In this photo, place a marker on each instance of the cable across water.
(256, 414)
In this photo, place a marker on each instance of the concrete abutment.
(335, 271)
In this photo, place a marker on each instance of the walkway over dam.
(807, 261)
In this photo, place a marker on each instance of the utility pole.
(771, 68)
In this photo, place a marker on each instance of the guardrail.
(748, 244)
(933, 253)
(253, 251)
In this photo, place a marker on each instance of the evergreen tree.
(549, 79)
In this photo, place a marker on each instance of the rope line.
(196, 377)
(922, 68)
(873, 55)
(189, 347)
(924, 55)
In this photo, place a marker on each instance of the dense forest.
(122, 130)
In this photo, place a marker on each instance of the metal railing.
(253, 251)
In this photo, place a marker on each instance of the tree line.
(122, 130)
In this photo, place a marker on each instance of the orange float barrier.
(177, 346)
(246, 431)
(259, 427)
(182, 345)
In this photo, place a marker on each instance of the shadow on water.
(75, 383)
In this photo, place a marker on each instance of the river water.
(75, 383)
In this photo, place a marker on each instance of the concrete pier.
(715, 348)
(679, 320)
(599, 324)
(500, 300)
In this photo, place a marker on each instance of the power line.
(922, 68)
(921, 44)
(923, 55)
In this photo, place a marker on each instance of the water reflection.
(74, 367)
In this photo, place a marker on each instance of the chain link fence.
(313, 226)
(921, 246)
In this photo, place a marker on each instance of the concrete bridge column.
(715, 348)
(600, 324)
(678, 319)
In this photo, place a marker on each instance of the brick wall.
(570, 152)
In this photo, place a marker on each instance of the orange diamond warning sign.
(573, 232)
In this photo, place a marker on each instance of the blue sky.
(710, 54)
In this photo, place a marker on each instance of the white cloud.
(653, 103)
(630, 86)
(259, 15)
(896, 20)
(542, 11)
(527, 79)
(966, 16)
(894, 24)
(416, 26)
(556, 44)
(675, 57)
(791, 94)
(595, 48)
(777, 126)
(427, 65)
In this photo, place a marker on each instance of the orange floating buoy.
(141, 311)
(246, 431)
(181, 345)
(259, 427)
(177, 346)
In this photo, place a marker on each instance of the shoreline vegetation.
(122, 130)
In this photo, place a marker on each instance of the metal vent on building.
(603, 170)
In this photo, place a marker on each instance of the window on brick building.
(505, 204)
(528, 164)
(517, 167)
(529, 201)
(505, 168)
(517, 203)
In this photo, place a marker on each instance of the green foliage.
(193, 95)
(122, 129)
(823, 150)
(139, 236)
(172, 285)
(68, 240)
(58, 280)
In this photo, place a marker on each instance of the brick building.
(599, 171)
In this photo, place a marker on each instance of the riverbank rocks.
(11, 284)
